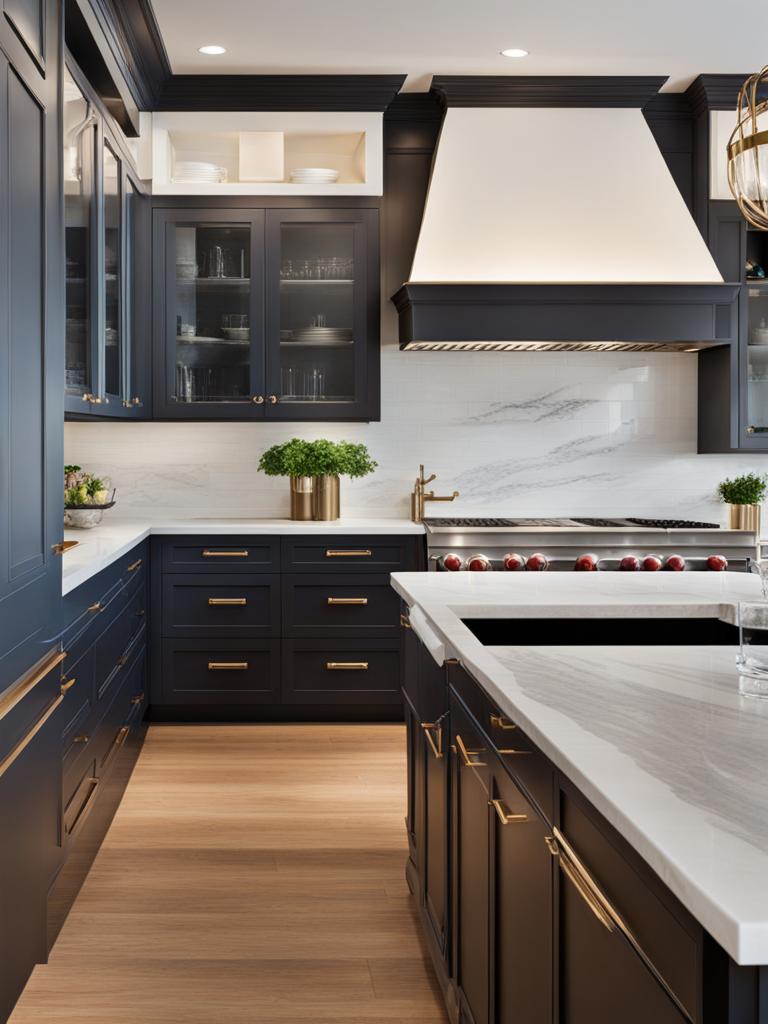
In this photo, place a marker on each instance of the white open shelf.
(349, 142)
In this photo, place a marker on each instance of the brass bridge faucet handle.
(420, 495)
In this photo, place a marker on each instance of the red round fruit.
(675, 563)
(479, 563)
(629, 563)
(651, 563)
(452, 562)
(717, 563)
(586, 563)
(513, 562)
(537, 562)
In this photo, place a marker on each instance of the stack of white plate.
(198, 172)
(314, 175)
(322, 335)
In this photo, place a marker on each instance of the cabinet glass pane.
(78, 203)
(317, 290)
(757, 359)
(112, 272)
(212, 325)
(130, 292)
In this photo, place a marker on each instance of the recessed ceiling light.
(212, 51)
(514, 52)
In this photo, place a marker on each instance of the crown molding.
(546, 90)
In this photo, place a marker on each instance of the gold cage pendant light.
(748, 152)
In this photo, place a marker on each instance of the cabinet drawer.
(125, 707)
(328, 672)
(350, 554)
(663, 928)
(221, 606)
(80, 788)
(346, 605)
(218, 554)
(228, 672)
(522, 759)
(112, 645)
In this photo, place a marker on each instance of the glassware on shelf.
(320, 268)
(314, 384)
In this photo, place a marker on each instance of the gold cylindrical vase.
(744, 517)
(301, 496)
(325, 498)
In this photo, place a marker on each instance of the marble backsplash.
(515, 433)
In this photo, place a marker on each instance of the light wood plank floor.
(252, 874)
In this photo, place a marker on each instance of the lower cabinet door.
(227, 672)
(435, 748)
(341, 672)
(415, 786)
(471, 888)
(521, 908)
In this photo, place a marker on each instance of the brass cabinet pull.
(506, 817)
(340, 666)
(750, 430)
(225, 554)
(138, 699)
(350, 553)
(97, 606)
(82, 814)
(28, 683)
(80, 739)
(235, 666)
(24, 742)
(498, 722)
(68, 684)
(510, 751)
(436, 746)
(404, 621)
(272, 399)
(118, 741)
(258, 399)
(585, 894)
(133, 403)
(467, 755)
(94, 399)
(347, 600)
(135, 565)
(227, 600)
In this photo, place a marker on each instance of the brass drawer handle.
(340, 666)
(467, 755)
(138, 699)
(24, 742)
(224, 554)
(227, 600)
(17, 693)
(258, 399)
(347, 600)
(436, 746)
(134, 565)
(80, 739)
(506, 817)
(85, 809)
(68, 684)
(510, 751)
(272, 399)
(350, 553)
(97, 606)
(499, 722)
(405, 622)
(234, 666)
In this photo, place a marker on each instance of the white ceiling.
(679, 38)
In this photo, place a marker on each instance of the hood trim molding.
(546, 90)
(675, 316)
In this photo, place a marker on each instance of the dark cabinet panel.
(28, 20)
(219, 554)
(350, 554)
(221, 605)
(341, 671)
(315, 606)
(223, 672)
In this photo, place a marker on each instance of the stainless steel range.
(587, 545)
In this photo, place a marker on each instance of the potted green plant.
(744, 495)
(314, 468)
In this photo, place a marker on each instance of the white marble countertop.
(658, 738)
(100, 547)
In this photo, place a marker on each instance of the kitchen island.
(657, 740)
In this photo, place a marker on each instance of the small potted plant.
(744, 495)
(85, 498)
(314, 468)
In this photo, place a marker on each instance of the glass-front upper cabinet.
(102, 203)
(211, 317)
(322, 316)
(756, 412)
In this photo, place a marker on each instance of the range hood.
(553, 222)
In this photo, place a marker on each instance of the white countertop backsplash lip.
(658, 738)
(98, 548)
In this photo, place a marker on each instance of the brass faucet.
(419, 495)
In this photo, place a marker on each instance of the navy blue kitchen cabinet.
(270, 628)
(31, 334)
(265, 312)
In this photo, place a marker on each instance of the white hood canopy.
(552, 220)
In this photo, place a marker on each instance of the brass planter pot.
(326, 498)
(744, 517)
(301, 496)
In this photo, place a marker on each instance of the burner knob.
(586, 563)
(675, 563)
(629, 563)
(537, 562)
(717, 563)
(651, 563)
(452, 562)
(513, 562)
(479, 563)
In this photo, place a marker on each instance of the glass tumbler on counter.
(752, 658)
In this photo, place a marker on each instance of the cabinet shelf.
(316, 344)
(216, 282)
(315, 280)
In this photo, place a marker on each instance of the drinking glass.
(752, 658)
